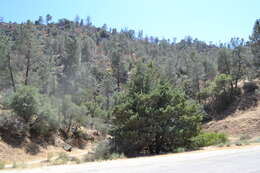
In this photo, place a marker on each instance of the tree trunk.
(69, 126)
(118, 78)
(28, 66)
(239, 69)
(107, 101)
(157, 144)
(11, 73)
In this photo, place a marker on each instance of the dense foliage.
(153, 117)
(35, 109)
(207, 139)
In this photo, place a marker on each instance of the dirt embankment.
(14, 149)
(30, 151)
(242, 122)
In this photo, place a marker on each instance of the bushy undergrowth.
(179, 150)
(2, 165)
(206, 139)
(13, 125)
(63, 158)
(103, 151)
(35, 110)
(33, 113)
(218, 96)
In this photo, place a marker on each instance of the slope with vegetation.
(244, 119)
(149, 95)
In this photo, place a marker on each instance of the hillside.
(58, 80)
(20, 155)
(240, 123)
(34, 151)
(244, 121)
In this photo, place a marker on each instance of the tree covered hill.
(63, 53)
(71, 72)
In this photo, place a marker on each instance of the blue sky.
(207, 20)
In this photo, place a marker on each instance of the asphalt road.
(243, 160)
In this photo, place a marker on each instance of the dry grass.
(18, 155)
(241, 123)
(10, 155)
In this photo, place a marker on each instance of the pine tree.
(48, 18)
(255, 45)
(152, 116)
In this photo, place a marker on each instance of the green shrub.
(242, 142)
(221, 145)
(47, 119)
(257, 140)
(244, 137)
(49, 157)
(179, 150)
(89, 158)
(35, 109)
(14, 165)
(73, 115)
(246, 142)
(13, 125)
(6, 100)
(76, 160)
(116, 156)
(99, 124)
(21, 165)
(25, 102)
(239, 143)
(207, 139)
(103, 151)
(2, 165)
(218, 96)
(63, 158)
